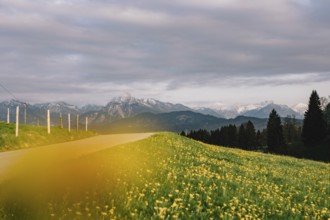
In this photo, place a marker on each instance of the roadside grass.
(168, 176)
(32, 136)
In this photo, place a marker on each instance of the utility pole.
(69, 123)
(24, 113)
(8, 118)
(17, 120)
(61, 120)
(48, 121)
(77, 121)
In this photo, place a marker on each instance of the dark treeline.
(282, 136)
(244, 136)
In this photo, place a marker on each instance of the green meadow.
(32, 136)
(168, 176)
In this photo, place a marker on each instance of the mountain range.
(128, 113)
(259, 110)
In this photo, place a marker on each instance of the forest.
(282, 136)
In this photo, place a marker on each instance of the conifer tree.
(314, 128)
(251, 138)
(232, 133)
(291, 130)
(241, 137)
(327, 117)
(183, 133)
(275, 138)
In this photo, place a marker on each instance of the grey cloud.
(280, 80)
(83, 44)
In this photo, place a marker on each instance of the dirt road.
(64, 151)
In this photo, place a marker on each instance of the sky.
(185, 51)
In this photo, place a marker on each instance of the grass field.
(167, 176)
(32, 136)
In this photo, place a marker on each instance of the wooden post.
(86, 123)
(61, 120)
(77, 122)
(48, 121)
(8, 118)
(24, 113)
(69, 123)
(17, 120)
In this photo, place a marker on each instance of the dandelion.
(104, 213)
(174, 205)
(112, 210)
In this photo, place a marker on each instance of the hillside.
(167, 176)
(32, 136)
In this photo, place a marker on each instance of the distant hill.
(173, 121)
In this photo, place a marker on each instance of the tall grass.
(170, 177)
(31, 136)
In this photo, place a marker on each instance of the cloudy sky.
(184, 51)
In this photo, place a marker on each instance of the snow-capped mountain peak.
(58, 107)
(300, 108)
(258, 110)
(249, 107)
(128, 106)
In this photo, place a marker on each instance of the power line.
(7, 90)
(16, 99)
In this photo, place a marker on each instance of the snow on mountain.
(244, 108)
(12, 108)
(90, 108)
(258, 110)
(36, 113)
(300, 108)
(219, 110)
(58, 107)
(282, 111)
(153, 104)
(231, 111)
(128, 106)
